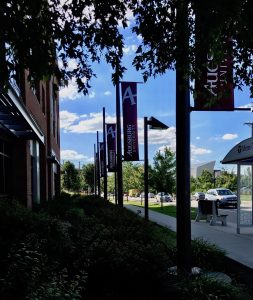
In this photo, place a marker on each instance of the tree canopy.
(34, 34)
(133, 177)
(207, 181)
(87, 175)
(162, 176)
(70, 177)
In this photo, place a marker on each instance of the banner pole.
(119, 150)
(98, 166)
(95, 171)
(105, 158)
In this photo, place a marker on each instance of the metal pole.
(119, 150)
(115, 188)
(238, 198)
(105, 158)
(98, 166)
(146, 168)
(183, 142)
(95, 171)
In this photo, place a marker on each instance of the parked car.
(199, 196)
(159, 195)
(150, 195)
(166, 198)
(162, 196)
(225, 197)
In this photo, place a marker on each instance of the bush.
(34, 250)
(206, 255)
(81, 247)
(202, 288)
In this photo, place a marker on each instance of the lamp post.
(154, 124)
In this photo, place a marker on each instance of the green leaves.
(163, 173)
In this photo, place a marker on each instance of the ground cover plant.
(81, 247)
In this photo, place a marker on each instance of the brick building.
(29, 142)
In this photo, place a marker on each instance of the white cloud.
(129, 16)
(90, 123)
(229, 136)
(107, 93)
(72, 64)
(72, 155)
(197, 138)
(139, 37)
(199, 151)
(70, 92)
(67, 118)
(92, 94)
(130, 49)
(248, 105)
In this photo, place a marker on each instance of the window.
(5, 168)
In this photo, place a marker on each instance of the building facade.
(29, 142)
(197, 169)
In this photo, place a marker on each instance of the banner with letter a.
(130, 128)
(111, 146)
(101, 155)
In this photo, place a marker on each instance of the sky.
(213, 134)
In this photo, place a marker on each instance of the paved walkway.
(238, 247)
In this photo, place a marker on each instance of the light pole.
(153, 124)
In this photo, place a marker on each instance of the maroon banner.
(111, 146)
(101, 155)
(130, 129)
(214, 87)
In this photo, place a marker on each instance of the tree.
(133, 177)
(227, 180)
(35, 36)
(87, 174)
(205, 181)
(70, 177)
(163, 173)
(111, 183)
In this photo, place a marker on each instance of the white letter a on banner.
(128, 95)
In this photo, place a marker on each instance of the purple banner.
(130, 129)
(111, 146)
(101, 154)
(214, 87)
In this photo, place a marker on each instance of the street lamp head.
(156, 124)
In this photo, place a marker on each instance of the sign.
(214, 87)
(130, 129)
(240, 152)
(111, 146)
(101, 154)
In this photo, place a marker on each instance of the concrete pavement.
(238, 247)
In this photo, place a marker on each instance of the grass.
(169, 210)
(245, 197)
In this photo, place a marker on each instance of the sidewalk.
(237, 246)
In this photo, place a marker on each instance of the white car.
(164, 197)
(224, 197)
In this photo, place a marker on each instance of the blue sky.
(213, 134)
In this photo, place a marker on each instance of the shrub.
(206, 255)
